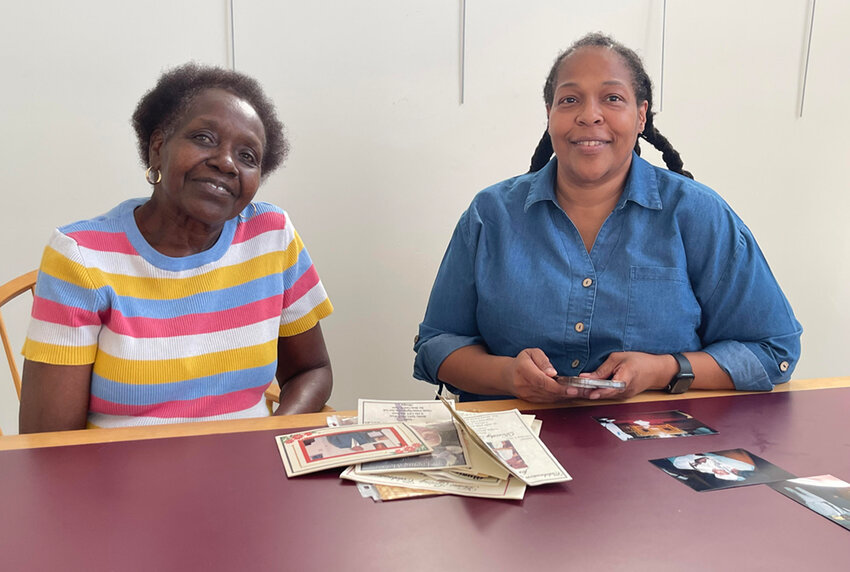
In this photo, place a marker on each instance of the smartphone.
(590, 383)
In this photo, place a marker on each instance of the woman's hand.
(643, 371)
(639, 370)
(529, 376)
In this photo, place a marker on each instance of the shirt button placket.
(586, 283)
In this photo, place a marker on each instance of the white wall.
(384, 158)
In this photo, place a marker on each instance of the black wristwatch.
(682, 380)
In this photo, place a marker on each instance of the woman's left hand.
(639, 370)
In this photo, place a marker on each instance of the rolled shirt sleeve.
(748, 325)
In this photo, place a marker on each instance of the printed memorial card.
(318, 449)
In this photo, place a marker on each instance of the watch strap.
(684, 365)
(681, 382)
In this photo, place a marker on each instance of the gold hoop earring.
(148, 176)
(253, 212)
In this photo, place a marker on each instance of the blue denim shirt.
(673, 269)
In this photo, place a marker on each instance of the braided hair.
(642, 86)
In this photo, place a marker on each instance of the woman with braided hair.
(600, 265)
(642, 86)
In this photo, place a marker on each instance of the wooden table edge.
(285, 423)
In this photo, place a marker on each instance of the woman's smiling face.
(594, 118)
(211, 163)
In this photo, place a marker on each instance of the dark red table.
(223, 502)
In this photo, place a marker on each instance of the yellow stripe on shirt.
(307, 321)
(139, 372)
(59, 355)
(161, 288)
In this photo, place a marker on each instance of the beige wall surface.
(385, 157)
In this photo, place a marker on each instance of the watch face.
(680, 384)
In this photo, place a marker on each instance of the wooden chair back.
(9, 291)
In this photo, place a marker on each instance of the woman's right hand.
(527, 376)
(530, 376)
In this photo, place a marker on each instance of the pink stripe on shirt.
(103, 241)
(201, 407)
(191, 324)
(55, 313)
(303, 285)
(258, 225)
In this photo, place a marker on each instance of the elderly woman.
(185, 305)
(598, 264)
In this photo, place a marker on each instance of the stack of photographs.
(467, 460)
(401, 449)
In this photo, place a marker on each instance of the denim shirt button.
(579, 327)
(586, 282)
(783, 366)
(575, 363)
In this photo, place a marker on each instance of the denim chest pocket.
(663, 313)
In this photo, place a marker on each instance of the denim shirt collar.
(641, 185)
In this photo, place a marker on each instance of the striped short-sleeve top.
(173, 339)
